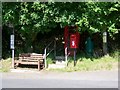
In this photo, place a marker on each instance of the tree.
(29, 18)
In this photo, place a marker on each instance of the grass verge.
(86, 64)
(83, 64)
(6, 65)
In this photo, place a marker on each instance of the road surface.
(96, 79)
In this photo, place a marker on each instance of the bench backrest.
(30, 57)
(36, 56)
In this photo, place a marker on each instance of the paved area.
(43, 79)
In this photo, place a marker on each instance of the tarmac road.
(96, 79)
(54, 83)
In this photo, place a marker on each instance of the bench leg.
(38, 65)
(16, 64)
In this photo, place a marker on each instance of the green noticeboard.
(89, 45)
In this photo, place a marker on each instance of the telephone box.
(71, 37)
(66, 35)
(72, 40)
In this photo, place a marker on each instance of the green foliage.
(29, 18)
(38, 16)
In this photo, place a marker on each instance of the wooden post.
(45, 58)
(74, 57)
(105, 43)
(55, 48)
(38, 65)
(66, 55)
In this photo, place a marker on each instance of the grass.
(86, 64)
(108, 62)
(50, 59)
(6, 65)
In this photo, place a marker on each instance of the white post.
(45, 58)
(12, 58)
(66, 55)
(12, 47)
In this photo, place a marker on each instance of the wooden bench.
(30, 59)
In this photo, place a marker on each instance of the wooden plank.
(32, 60)
(24, 62)
(35, 59)
(24, 55)
(36, 56)
(20, 57)
(29, 63)
(26, 59)
(30, 57)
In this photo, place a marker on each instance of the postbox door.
(73, 41)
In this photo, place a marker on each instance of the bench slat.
(29, 63)
(32, 60)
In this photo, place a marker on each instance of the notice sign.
(11, 41)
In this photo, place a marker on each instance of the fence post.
(66, 55)
(105, 49)
(55, 48)
(45, 62)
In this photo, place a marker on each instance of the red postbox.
(73, 41)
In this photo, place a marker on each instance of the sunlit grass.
(108, 62)
(104, 63)
(6, 65)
